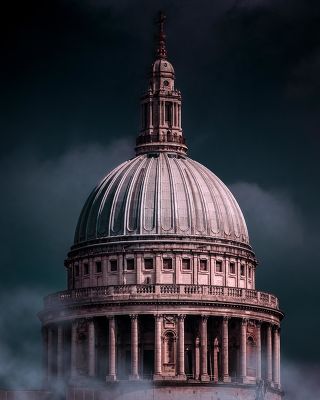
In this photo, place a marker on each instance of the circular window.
(165, 64)
(166, 83)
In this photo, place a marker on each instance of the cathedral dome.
(161, 194)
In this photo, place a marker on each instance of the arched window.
(251, 357)
(169, 348)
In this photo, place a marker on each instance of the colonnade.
(271, 353)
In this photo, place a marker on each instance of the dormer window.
(186, 264)
(218, 266)
(148, 263)
(85, 269)
(232, 268)
(98, 267)
(167, 263)
(113, 265)
(130, 264)
(203, 265)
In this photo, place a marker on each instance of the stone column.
(158, 263)
(150, 115)
(225, 349)
(279, 358)
(269, 354)
(139, 268)
(157, 347)
(258, 335)
(215, 360)
(91, 348)
(243, 350)
(197, 358)
(112, 349)
(60, 352)
(104, 270)
(73, 365)
(50, 353)
(134, 347)
(181, 371)
(44, 333)
(204, 348)
(275, 357)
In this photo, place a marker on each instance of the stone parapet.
(163, 292)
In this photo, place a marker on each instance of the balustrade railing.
(215, 293)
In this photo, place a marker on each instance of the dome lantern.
(161, 129)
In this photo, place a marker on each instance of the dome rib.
(133, 204)
(161, 194)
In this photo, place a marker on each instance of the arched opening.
(251, 357)
(169, 352)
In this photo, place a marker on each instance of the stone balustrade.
(164, 291)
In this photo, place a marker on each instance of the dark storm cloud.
(41, 202)
(71, 75)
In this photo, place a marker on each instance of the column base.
(111, 378)
(134, 377)
(157, 377)
(226, 378)
(205, 378)
(181, 377)
(247, 379)
(274, 385)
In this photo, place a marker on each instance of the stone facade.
(161, 299)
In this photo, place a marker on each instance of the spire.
(161, 129)
(161, 51)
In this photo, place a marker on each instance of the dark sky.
(71, 74)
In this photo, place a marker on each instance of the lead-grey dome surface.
(161, 194)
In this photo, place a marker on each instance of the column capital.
(226, 318)
(181, 317)
(258, 323)
(111, 317)
(275, 328)
(133, 316)
(244, 321)
(204, 317)
(158, 316)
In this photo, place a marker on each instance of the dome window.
(85, 269)
(148, 263)
(232, 268)
(76, 270)
(219, 266)
(186, 264)
(113, 265)
(98, 267)
(167, 263)
(203, 265)
(242, 270)
(130, 264)
(249, 272)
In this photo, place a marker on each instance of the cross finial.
(161, 48)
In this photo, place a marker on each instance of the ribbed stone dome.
(161, 194)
